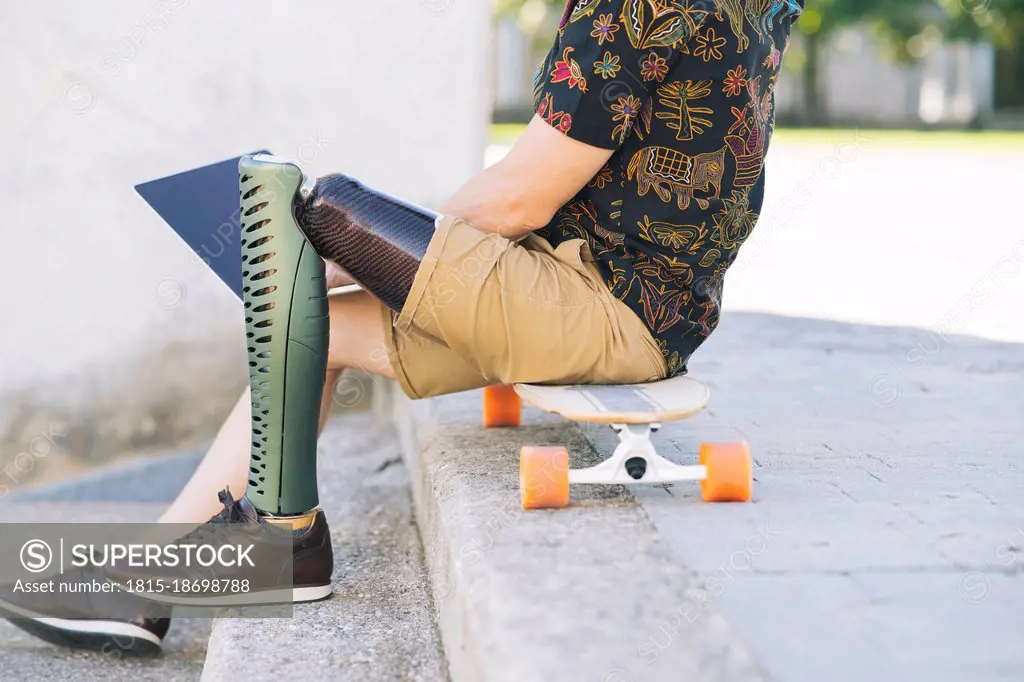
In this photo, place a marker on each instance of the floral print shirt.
(683, 91)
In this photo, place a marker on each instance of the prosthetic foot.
(285, 298)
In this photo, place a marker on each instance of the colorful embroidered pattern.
(568, 71)
(683, 91)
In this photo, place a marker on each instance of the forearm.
(521, 193)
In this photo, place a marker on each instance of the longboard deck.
(672, 399)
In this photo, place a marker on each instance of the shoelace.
(219, 522)
(230, 511)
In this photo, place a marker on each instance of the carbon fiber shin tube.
(379, 240)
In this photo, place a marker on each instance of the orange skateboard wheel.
(544, 477)
(502, 406)
(730, 475)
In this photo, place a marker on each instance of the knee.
(325, 211)
(379, 240)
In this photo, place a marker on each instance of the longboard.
(677, 398)
(634, 412)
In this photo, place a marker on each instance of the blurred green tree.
(1000, 22)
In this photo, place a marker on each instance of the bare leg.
(357, 335)
(226, 462)
(357, 340)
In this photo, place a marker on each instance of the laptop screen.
(202, 207)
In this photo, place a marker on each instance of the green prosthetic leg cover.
(285, 297)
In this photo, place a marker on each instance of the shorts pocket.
(459, 256)
(576, 254)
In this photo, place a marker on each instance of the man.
(593, 253)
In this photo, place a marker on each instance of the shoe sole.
(104, 636)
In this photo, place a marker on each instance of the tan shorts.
(485, 310)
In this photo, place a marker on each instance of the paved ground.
(886, 535)
(860, 231)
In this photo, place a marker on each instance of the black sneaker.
(290, 560)
(128, 623)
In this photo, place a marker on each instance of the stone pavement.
(546, 595)
(862, 230)
(885, 540)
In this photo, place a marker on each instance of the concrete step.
(23, 657)
(572, 594)
(379, 625)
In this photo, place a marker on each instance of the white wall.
(100, 302)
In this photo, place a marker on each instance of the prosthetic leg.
(380, 241)
(285, 297)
